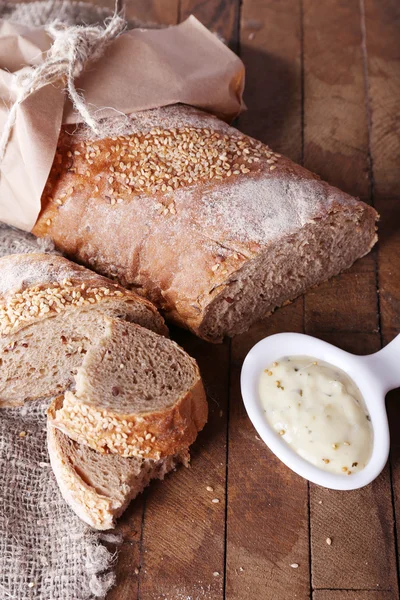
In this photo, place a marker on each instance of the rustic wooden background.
(323, 87)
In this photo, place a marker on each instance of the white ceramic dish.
(374, 374)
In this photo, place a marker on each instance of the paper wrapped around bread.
(211, 225)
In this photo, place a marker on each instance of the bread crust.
(181, 248)
(171, 430)
(38, 286)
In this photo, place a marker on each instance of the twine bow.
(66, 59)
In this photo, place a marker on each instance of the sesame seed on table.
(323, 88)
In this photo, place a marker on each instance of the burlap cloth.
(46, 552)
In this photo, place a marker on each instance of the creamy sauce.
(319, 411)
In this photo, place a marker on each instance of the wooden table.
(323, 87)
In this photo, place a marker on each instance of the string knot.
(72, 48)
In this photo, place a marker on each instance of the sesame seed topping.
(33, 303)
(165, 159)
(104, 430)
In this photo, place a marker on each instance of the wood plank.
(127, 570)
(389, 263)
(184, 531)
(360, 523)
(382, 45)
(267, 526)
(335, 117)
(351, 595)
(128, 566)
(183, 523)
(163, 12)
(345, 303)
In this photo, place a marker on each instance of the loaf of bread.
(99, 487)
(136, 393)
(209, 224)
(50, 310)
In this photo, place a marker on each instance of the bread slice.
(99, 487)
(211, 225)
(137, 394)
(49, 310)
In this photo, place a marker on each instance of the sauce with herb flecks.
(319, 411)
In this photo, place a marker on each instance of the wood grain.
(335, 115)
(336, 147)
(336, 144)
(345, 303)
(267, 527)
(184, 531)
(220, 16)
(164, 12)
(333, 67)
(382, 53)
(127, 567)
(270, 47)
(351, 595)
(130, 526)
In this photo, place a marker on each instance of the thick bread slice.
(210, 224)
(99, 487)
(137, 394)
(49, 310)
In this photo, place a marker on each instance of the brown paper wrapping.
(139, 70)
